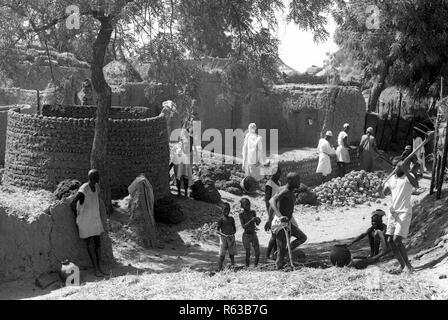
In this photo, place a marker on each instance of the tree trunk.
(434, 161)
(98, 156)
(443, 164)
(378, 87)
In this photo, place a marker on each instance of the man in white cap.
(366, 150)
(342, 154)
(325, 151)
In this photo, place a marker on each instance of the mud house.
(300, 112)
(303, 113)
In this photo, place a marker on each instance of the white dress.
(252, 156)
(89, 218)
(325, 151)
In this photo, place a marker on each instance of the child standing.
(249, 220)
(226, 230)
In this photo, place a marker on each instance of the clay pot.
(340, 256)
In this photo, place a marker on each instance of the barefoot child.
(226, 230)
(249, 220)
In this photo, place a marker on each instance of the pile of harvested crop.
(231, 186)
(206, 232)
(226, 178)
(205, 191)
(66, 188)
(306, 196)
(217, 173)
(356, 187)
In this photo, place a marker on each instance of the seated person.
(377, 236)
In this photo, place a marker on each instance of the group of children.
(226, 229)
(280, 204)
(280, 200)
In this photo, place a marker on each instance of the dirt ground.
(189, 251)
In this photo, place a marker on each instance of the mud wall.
(392, 134)
(307, 169)
(30, 248)
(41, 151)
(303, 113)
(10, 96)
(3, 124)
(300, 113)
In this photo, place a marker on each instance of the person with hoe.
(284, 223)
(399, 219)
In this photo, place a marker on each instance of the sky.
(299, 51)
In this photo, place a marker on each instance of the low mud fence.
(36, 245)
(305, 167)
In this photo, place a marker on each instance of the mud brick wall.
(30, 248)
(41, 151)
(307, 169)
(24, 108)
(90, 112)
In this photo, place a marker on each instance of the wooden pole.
(436, 142)
(443, 165)
(434, 161)
(429, 137)
(397, 124)
(39, 111)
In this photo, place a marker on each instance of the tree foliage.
(170, 30)
(409, 49)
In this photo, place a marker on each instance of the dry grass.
(23, 203)
(306, 283)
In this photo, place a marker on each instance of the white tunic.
(252, 155)
(89, 218)
(325, 150)
(342, 154)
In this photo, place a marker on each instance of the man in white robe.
(253, 157)
(325, 151)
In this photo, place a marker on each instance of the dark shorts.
(227, 244)
(250, 239)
